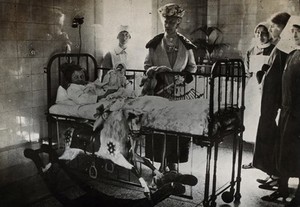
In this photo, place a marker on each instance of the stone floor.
(32, 191)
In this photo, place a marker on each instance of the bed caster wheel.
(227, 197)
(237, 197)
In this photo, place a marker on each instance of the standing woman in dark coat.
(174, 51)
(268, 131)
(256, 57)
(289, 146)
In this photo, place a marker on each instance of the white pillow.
(62, 97)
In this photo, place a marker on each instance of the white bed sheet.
(184, 116)
(187, 116)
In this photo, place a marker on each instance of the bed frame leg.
(207, 177)
(50, 141)
(206, 203)
(228, 196)
(213, 194)
(57, 134)
(238, 178)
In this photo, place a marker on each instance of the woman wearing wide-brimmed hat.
(172, 50)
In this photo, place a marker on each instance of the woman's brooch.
(172, 49)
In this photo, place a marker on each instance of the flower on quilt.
(68, 135)
(111, 147)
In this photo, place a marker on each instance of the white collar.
(262, 46)
(119, 50)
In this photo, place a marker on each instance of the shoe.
(295, 202)
(247, 166)
(262, 181)
(186, 179)
(275, 196)
(272, 184)
(172, 176)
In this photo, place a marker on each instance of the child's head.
(73, 73)
(78, 77)
(121, 67)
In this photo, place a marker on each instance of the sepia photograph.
(143, 103)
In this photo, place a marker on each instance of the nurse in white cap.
(119, 53)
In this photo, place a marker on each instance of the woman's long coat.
(289, 145)
(253, 93)
(268, 131)
(157, 56)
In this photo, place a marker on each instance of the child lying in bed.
(82, 92)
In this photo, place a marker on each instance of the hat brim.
(171, 10)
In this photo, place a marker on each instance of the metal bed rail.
(55, 77)
(224, 88)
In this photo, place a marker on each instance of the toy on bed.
(113, 79)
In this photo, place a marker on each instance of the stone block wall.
(238, 18)
(27, 41)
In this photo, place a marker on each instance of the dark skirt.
(289, 146)
(265, 150)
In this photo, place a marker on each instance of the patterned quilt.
(185, 116)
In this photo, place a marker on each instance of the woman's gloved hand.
(188, 77)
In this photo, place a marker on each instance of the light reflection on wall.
(27, 131)
(28, 136)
